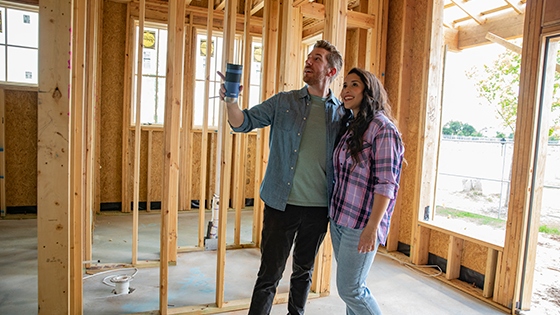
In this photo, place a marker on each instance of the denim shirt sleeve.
(258, 116)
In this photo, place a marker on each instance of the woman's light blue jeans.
(352, 270)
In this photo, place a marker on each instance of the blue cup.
(233, 79)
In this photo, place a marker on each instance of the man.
(298, 182)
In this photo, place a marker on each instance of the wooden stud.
(419, 251)
(544, 108)
(173, 103)
(53, 170)
(223, 174)
(149, 171)
(428, 135)
(97, 161)
(454, 254)
(401, 103)
(241, 146)
(137, 131)
(129, 88)
(335, 33)
(187, 135)
(77, 159)
(268, 83)
(2, 155)
(91, 121)
(204, 137)
(523, 158)
(490, 274)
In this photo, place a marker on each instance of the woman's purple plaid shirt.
(378, 172)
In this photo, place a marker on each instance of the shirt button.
(295, 150)
(288, 184)
(292, 167)
(287, 110)
(298, 133)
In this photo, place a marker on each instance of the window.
(154, 62)
(215, 81)
(19, 45)
(154, 58)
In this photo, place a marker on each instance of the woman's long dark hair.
(374, 100)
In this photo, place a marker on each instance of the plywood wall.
(21, 148)
(112, 89)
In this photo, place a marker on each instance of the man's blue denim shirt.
(286, 113)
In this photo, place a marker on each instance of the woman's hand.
(367, 240)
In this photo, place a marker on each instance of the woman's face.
(352, 93)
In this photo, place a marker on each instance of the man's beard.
(315, 78)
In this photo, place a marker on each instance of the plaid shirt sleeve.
(377, 172)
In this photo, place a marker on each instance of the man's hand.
(223, 88)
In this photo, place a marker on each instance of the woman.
(367, 165)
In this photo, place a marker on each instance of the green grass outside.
(477, 218)
(547, 230)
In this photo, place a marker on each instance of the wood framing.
(523, 157)
(2, 155)
(53, 158)
(454, 254)
(204, 137)
(137, 131)
(77, 157)
(173, 103)
(223, 177)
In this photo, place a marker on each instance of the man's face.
(316, 68)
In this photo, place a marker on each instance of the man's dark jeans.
(308, 225)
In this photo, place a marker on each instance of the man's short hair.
(334, 58)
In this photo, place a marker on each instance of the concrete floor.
(398, 289)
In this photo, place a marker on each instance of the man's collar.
(304, 92)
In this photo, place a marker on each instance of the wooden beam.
(173, 104)
(335, 33)
(451, 39)
(476, 17)
(204, 135)
(93, 49)
(257, 7)
(507, 26)
(241, 145)
(490, 274)
(77, 159)
(514, 6)
(354, 18)
(299, 3)
(2, 154)
(268, 83)
(127, 106)
(186, 135)
(221, 5)
(533, 216)
(509, 270)
(454, 254)
(137, 131)
(54, 145)
(223, 174)
(149, 172)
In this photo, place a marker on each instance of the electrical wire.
(103, 272)
(413, 266)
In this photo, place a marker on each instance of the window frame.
(12, 84)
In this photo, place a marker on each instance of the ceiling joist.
(476, 17)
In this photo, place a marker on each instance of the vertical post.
(186, 134)
(149, 170)
(429, 128)
(137, 130)
(2, 154)
(268, 83)
(91, 136)
(204, 136)
(224, 148)
(173, 103)
(241, 146)
(53, 157)
(335, 33)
